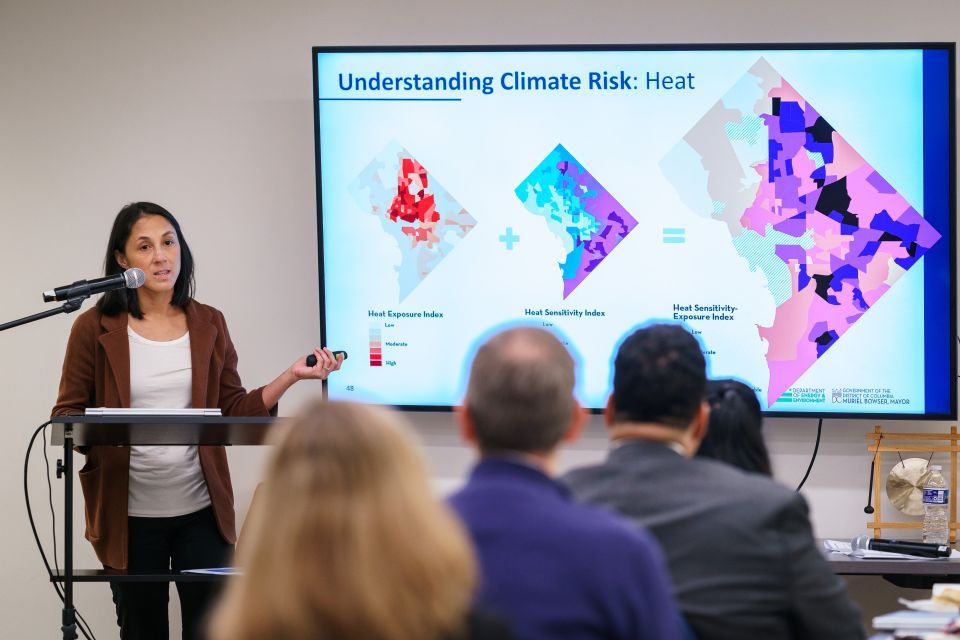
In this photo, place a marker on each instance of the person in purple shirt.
(552, 567)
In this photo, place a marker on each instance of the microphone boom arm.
(69, 306)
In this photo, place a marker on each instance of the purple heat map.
(828, 231)
(579, 210)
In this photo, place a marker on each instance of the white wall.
(205, 108)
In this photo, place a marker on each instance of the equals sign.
(674, 235)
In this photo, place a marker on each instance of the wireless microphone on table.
(909, 547)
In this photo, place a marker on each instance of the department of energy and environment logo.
(426, 221)
(828, 232)
(815, 395)
(579, 210)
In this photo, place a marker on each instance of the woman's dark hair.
(113, 302)
(734, 434)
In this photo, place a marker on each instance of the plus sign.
(509, 238)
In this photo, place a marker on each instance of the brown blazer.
(96, 373)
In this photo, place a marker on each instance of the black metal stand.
(69, 618)
(72, 431)
(69, 306)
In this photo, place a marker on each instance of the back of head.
(660, 377)
(350, 542)
(520, 393)
(735, 432)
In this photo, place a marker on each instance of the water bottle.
(936, 507)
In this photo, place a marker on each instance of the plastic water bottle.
(936, 508)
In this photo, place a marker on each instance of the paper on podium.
(139, 413)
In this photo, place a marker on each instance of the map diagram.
(426, 221)
(828, 232)
(579, 210)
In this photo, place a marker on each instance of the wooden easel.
(912, 443)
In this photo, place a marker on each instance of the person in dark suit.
(551, 567)
(739, 546)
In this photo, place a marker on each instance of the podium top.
(162, 430)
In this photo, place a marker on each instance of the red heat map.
(413, 203)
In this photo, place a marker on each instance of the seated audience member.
(348, 542)
(739, 546)
(551, 567)
(734, 432)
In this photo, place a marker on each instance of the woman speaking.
(153, 508)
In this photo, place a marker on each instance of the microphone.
(312, 359)
(130, 279)
(909, 547)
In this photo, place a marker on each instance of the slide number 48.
(349, 387)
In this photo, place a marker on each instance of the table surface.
(845, 565)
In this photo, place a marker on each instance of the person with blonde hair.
(348, 541)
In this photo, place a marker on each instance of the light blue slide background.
(480, 148)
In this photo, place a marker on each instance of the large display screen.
(792, 205)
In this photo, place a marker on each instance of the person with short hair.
(553, 568)
(739, 546)
(348, 541)
(735, 431)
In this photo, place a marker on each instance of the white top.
(164, 481)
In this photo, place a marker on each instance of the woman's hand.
(327, 363)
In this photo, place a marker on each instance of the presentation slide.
(792, 207)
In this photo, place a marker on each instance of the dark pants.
(159, 544)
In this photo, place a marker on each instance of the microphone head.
(133, 278)
(868, 509)
(861, 542)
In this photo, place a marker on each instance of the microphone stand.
(69, 615)
(69, 306)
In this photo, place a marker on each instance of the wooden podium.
(79, 431)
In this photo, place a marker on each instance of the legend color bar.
(376, 346)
